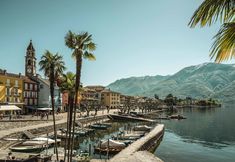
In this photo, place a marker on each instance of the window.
(8, 82)
(29, 62)
(15, 91)
(26, 86)
(16, 83)
(35, 101)
(8, 99)
(26, 101)
(16, 99)
(30, 101)
(31, 86)
(8, 92)
(35, 87)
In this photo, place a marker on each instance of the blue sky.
(133, 37)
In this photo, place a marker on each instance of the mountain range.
(207, 80)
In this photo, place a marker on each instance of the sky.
(133, 37)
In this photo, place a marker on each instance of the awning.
(9, 107)
(44, 109)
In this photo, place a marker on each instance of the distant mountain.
(200, 81)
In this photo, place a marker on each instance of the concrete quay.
(138, 151)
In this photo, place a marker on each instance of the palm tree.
(208, 13)
(82, 47)
(67, 85)
(53, 67)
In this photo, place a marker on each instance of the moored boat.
(33, 145)
(109, 146)
(177, 117)
(142, 128)
(99, 126)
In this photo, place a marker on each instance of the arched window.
(29, 62)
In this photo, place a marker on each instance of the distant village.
(31, 92)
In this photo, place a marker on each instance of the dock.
(138, 151)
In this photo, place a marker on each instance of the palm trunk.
(52, 80)
(77, 85)
(69, 129)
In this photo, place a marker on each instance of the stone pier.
(138, 151)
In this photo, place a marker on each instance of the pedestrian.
(47, 116)
(9, 156)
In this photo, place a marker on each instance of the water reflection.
(206, 133)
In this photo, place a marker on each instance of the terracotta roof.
(28, 80)
(109, 91)
(4, 72)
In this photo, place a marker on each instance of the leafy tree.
(208, 13)
(53, 67)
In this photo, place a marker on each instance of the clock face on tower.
(29, 70)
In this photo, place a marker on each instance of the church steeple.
(30, 61)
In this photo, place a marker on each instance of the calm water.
(207, 135)
(84, 143)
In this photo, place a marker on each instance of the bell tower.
(30, 61)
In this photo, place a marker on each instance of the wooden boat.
(131, 137)
(31, 146)
(142, 128)
(62, 134)
(177, 117)
(109, 146)
(31, 158)
(107, 124)
(99, 126)
(78, 132)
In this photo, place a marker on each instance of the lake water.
(207, 135)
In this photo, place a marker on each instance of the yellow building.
(11, 88)
(110, 98)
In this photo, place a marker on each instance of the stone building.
(110, 98)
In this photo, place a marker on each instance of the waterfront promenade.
(15, 127)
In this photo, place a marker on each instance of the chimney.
(19, 75)
(4, 72)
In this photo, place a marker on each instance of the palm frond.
(68, 83)
(51, 63)
(70, 40)
(212, 10)
(224, 44)
(89, 46)
(89, 56)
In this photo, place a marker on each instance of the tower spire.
(30, 60)
(30, 46)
